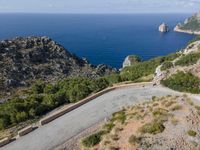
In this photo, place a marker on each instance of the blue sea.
(106, 38)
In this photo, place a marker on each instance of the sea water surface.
(105, 38)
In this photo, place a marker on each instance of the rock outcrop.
(130, 60)
(191, 25)
(163, 28)
(24, 60)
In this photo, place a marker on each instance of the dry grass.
(128, 128)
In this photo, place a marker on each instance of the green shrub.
(189, 59)
(160, 115)
(93, 139)
(172, 56)
(109, 126)
(119, 116)
(113, 78)
(160, 112)
(183, 82)
(43, 97)
(167, 65)
(21, 116)
(38, 88)
(152, 128)
(192, 133)
(4, 121)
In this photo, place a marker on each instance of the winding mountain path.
(76, 121)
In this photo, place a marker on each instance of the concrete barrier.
(25, 131)
(87, 99)
(4, 141)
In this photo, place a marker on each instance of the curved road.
(74, 122)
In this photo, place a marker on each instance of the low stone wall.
(4, 141)
(64, 111)
(68, 109)
(25, 131)
(87, 99)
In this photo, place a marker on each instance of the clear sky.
(100, 6)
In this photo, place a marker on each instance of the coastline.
(187, 31)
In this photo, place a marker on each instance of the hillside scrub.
(43, 98)
(183, 82)
(93, 139)
(145, 68)
(189, 59)
(166, 65)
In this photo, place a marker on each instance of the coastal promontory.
(24, 60)
(191, 25)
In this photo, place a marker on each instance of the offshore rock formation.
(191, 25)
(163, 28)
(24, 60)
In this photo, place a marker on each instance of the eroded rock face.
(23, 60)
(130, 60)
(163, 28)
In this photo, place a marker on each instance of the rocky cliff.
(191, 25)
(24, 60)
(130, 60)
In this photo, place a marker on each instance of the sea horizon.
(101, 38)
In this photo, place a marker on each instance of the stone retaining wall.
(25, 131)
(4, 141)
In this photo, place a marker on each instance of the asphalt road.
(74, 122)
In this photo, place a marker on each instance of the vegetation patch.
(119, 116)
(145, 68)
(189, 59)
(93, 139)
(183, 82)
(42, 98)
(192, 133)
(160, 112)
(167, 65)
(109, 126)
(153, 127)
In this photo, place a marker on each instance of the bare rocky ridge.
(24, 60)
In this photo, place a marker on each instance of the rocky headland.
(191, 25)
(23, 60)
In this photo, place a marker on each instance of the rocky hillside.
(191, 25)
(165, 123)
(24, 60)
